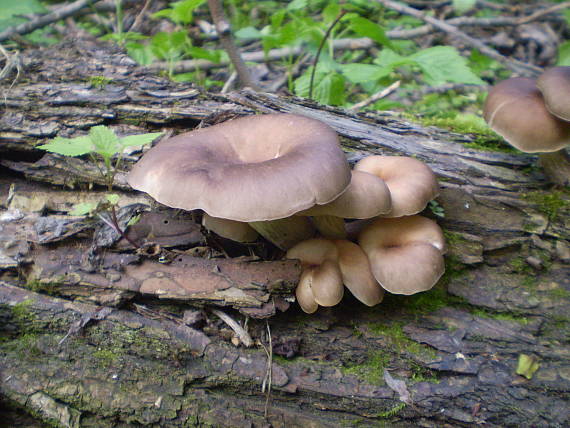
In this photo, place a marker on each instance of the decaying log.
(505, 297)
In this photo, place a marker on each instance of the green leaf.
(297, 5)
(360, 73)
(105, 141)
(142, 54)
(527, 366)
(366, 28)
(248, 33)
(462, 6)
(83, 208)
(181, 12)
(139, 140)
(328, 87)
(563, 54)
(441, 64)
(69, 146)
(112, 198)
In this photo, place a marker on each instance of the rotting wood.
(456, 347)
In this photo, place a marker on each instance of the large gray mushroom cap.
(515, 110)
(255, 168)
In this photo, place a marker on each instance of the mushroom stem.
(556, 166)
(330, 226)
(285, 232)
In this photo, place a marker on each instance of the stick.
(225, 34)
(234, 325)
(512, 64)
(43, 20)
(377, 96)
(541, 13)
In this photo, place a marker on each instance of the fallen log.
(488, 345)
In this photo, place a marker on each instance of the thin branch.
(377, 96)
(539, 14)
(43, 20)
(512, 64)
(321, 45)
(241, 333)
(225, 34)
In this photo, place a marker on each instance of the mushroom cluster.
(285, 177)
(396, 251)
(534, 117)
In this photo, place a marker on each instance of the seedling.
(105, 149)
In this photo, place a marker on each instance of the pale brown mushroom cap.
(366, 196)
(405, 253)
(412, 183)
(554, 84)
(515, 110)
(255, 168)
(357, 274)
(304, 292)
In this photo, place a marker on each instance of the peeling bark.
(506, 291)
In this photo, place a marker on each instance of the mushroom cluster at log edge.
(270, 173)
(534, 117)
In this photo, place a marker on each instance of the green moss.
(106, 357)
(24, 345)
(99, 82)
(390, 413)
(483, 313)
(560, 293)
(395, 333)
(549, 203)
(372, 370)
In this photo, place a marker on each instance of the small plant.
(105, 149)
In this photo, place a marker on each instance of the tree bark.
(456, 348)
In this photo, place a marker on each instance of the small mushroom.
(367, 196)
(412, 183)
(554, 84)
(405, 253)
(255, 169)
(515, 109)
(321, 273)
(235, 230)
(327, 265)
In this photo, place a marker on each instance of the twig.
(43, 20)
(234, 325)
(139, 18)
(377, 96)
(322, 44)
(541, 13)
(266, 384)
(225, 34)
(512, 64)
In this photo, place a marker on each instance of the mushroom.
(366, 196)
(321, 279)
(515, 109)
(412, 183)
(230, 229)
(327, 264)
(255, 169)
(405, 253)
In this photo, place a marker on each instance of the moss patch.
(549, 203)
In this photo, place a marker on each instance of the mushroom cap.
(356, 273)
(366, 196)
(255, 168)
(515, 110)
(304, 292)
(405, 253)
(412, 183)
(230, 229)
(554, 84)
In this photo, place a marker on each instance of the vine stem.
(325, 37)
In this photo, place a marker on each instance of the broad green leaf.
(563, 54)
(142, 54)
(297, 5)
(83, 208)
(69, 146)
(389, 58)
(181, 12)
(139, 140)
(105, 141)
(328, 87)
(441, 64)
(112, 198)
(248, 33)
(462, 6)
(214, 55)
(366, 28)
(360, 73)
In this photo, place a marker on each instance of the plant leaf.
(69, 146)
(527, 365)
(104, 140)
(83, 208)
(139, 140)
(462, 6)
(366, 28)
(360, 73)
(112, 198)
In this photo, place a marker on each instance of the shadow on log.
(456, 349)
